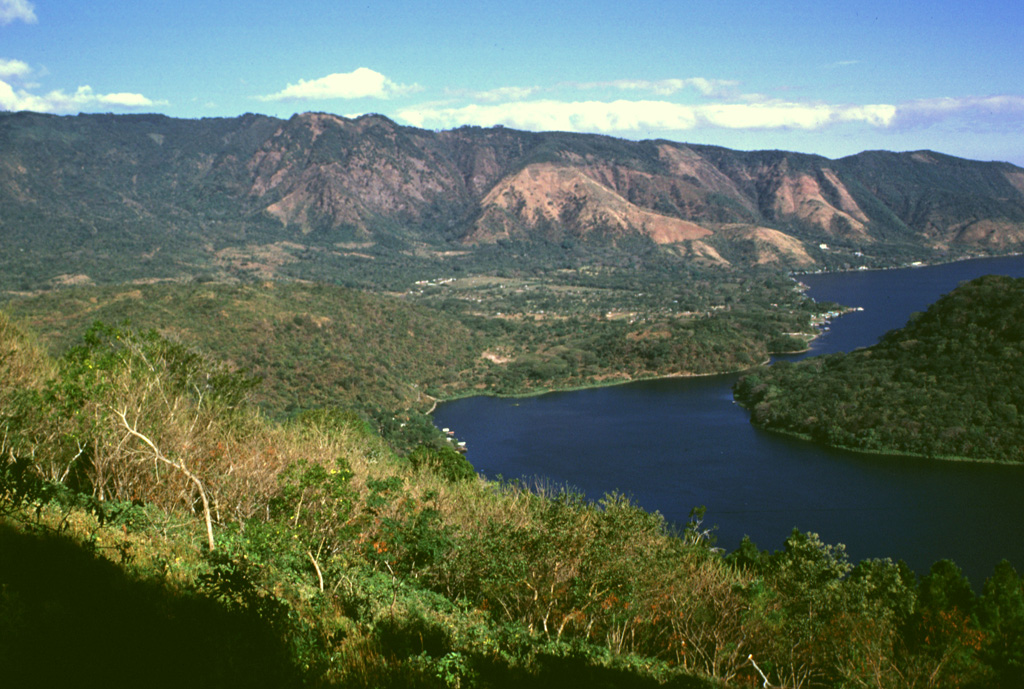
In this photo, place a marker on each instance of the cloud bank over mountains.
(832, 80)
(83, 98)
(16, 93)
(719, 105)
(635, 116)
(679, 104)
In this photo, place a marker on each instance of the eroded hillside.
(108, 198)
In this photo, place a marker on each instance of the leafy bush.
(444, 461)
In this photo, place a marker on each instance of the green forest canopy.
(317, 344)
(948, 384)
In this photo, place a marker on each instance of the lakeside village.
(822, 321)
(459, 445)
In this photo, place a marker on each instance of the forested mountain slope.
(310, 345)
(108, 198)
(316, 345)
(949, 384)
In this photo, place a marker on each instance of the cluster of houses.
(434, 283)
(450, 437)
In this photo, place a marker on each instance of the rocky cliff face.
(94, 185)
(320, 170)
(558, 200)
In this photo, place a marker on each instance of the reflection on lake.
(674, 444)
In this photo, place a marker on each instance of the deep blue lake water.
(674, 444)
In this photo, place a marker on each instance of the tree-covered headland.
(948, 384)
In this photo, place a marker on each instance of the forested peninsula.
(949, 384)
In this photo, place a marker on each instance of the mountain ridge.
(167, 195)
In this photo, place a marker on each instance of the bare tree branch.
(180, 466)
(319, 574)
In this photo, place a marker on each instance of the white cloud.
(125, 100)
(545, 115)
(650, 117)
(18, 94)
(361, 83)
(663, 87)
(14, 68)
(60, 102)
(987, 110)
(495, 95)
(506, 93)
(780, 115)
(722, 106)
(13, 10)
(625, 116)
(666, 87)
(880, 115)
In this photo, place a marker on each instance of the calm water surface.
(678, 443)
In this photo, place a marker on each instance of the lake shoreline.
(881, 453)
(811, 337)
(684, 442)
(596, 385)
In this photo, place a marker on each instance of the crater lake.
(677, 443)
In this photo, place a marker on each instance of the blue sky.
(832, 78)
